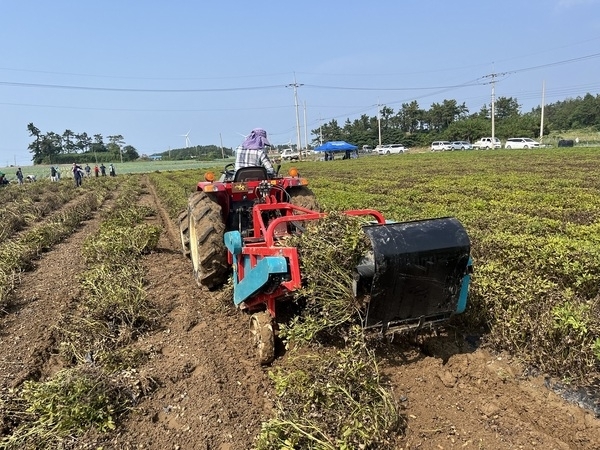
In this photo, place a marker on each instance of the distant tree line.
(199, 152)
(410, 125)
(70, 147)
(413, 126)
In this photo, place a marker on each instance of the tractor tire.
(184, 233)
(304, 197)
(207, 248)
(262, 337)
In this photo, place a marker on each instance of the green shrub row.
(533, 217)
(100, 382)
(17, 254)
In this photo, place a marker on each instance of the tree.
(50, 145)
(587, 112)
(470, 129)
(98, 145)
(129, 153)
(331, 131)
(437, 117)
(115, 146)
(507, 107)
(68, 143)
(83, 141)
(410, 116)
(385, 114)
(35, 147)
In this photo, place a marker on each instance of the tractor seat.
(257, 173)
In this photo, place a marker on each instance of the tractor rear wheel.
(207, 248)
(184, 232)
(304, 197)
(263, 337)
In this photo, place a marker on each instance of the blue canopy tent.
(335, 146)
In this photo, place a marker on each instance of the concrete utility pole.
(493, 77)
(296, 86)
(379, 121)
(305, 128)
(320, 131)
(493, 112)
(542, 119)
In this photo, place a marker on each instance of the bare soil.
(209, 393)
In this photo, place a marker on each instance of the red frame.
(264, 243)
(266, 236)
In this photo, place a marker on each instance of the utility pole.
(296, 86)
(222, 151)
(542, 120)
(379, 121)
(320, 131)
(493, 113)
(493, 76)
(305, 128)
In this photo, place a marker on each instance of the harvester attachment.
(417, 273)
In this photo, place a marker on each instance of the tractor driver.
(252, 152)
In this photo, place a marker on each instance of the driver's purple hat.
(257, 139)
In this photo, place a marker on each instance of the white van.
(289, 154)
(440, 146)
(486, 142)
(391, 149)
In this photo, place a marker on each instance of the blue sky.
(153, 71)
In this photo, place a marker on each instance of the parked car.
(289, 154)
(486, 143)
(390, 149)
(521, 143)
(461, 145)
(440, 146)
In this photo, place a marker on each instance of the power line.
(145, 109)
(91, 88)
(476, 82)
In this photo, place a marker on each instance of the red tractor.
(417, 272)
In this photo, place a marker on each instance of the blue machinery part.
(254, 277)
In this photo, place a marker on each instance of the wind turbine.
(187, 139)
(240, 146)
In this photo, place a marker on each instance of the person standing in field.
(103, 169)
(111, 170)
(88, 169)
(20, 175)
(53, 173)
(77, 174)
(96, 170)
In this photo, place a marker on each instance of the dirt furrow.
(211, 391)
(38, 302)
(206, 391)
